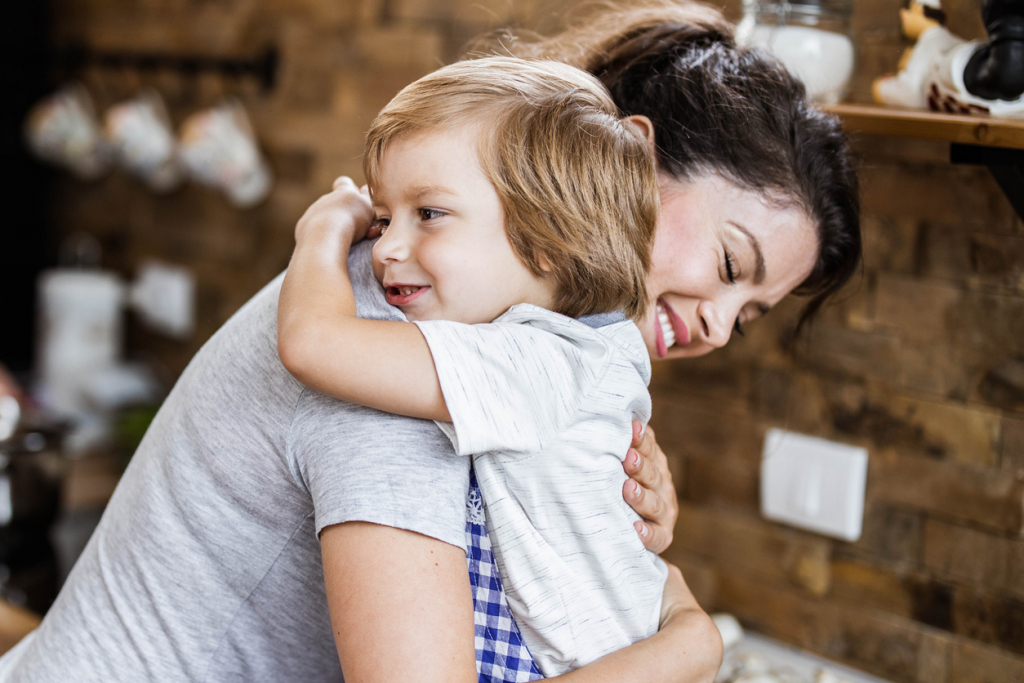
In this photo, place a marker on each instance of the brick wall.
(922, 362)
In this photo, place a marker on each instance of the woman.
(738, 149)
(759, 199)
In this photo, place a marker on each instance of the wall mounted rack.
(262, 67)
(992, 142)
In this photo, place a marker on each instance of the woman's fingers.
(649, 490)
(655, 536)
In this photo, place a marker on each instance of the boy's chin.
(413, 316)
(419, 317)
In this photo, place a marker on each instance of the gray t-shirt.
(206, 565)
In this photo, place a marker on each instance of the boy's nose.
(392, 245)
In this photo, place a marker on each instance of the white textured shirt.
(545, 405)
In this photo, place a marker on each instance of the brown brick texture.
(921, 360)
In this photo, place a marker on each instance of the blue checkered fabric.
(501, 654)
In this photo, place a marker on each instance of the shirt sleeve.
(509, 386)
(363, 465)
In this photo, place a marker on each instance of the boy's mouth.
(402, 295)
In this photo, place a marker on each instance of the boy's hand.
(344, 213)
(649, 490)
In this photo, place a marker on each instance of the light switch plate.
(813, 483)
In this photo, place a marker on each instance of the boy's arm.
(380, 364)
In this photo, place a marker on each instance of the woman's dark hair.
(720, 108)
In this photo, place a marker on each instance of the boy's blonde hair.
(577, 185)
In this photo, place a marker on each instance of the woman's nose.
(715, 324)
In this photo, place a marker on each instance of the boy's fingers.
(344, 180)
(375, 227)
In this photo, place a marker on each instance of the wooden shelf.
(15, 624)
(912, 123)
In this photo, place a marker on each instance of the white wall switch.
(813, 483)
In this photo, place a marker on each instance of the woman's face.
(722, 257)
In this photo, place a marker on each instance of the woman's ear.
(644, 125)
(544, 263)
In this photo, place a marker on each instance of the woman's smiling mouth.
(669, 329)
(402, 294)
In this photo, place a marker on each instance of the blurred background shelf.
(992, 142)
(15, 623)
(908, 123)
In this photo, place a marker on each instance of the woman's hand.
(697, 635)
(649, 490)
(344, 213)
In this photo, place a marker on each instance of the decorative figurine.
(948, 74)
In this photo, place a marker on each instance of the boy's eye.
(738, 328)
(428, 214)
(380, 224)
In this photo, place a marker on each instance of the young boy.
(517, 214)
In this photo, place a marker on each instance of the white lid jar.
(812, 38)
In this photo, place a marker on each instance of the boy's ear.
(544, 263)
(644, 125)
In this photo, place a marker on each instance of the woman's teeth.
(667, 332)
(405, 291)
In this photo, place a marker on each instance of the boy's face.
(444, 254)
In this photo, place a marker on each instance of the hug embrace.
(466, 390)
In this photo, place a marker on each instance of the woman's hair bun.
(611, 35)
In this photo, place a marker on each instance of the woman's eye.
(429, 214)
(730, 272)
(738, 328)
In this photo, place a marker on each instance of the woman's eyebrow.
(759, 270)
